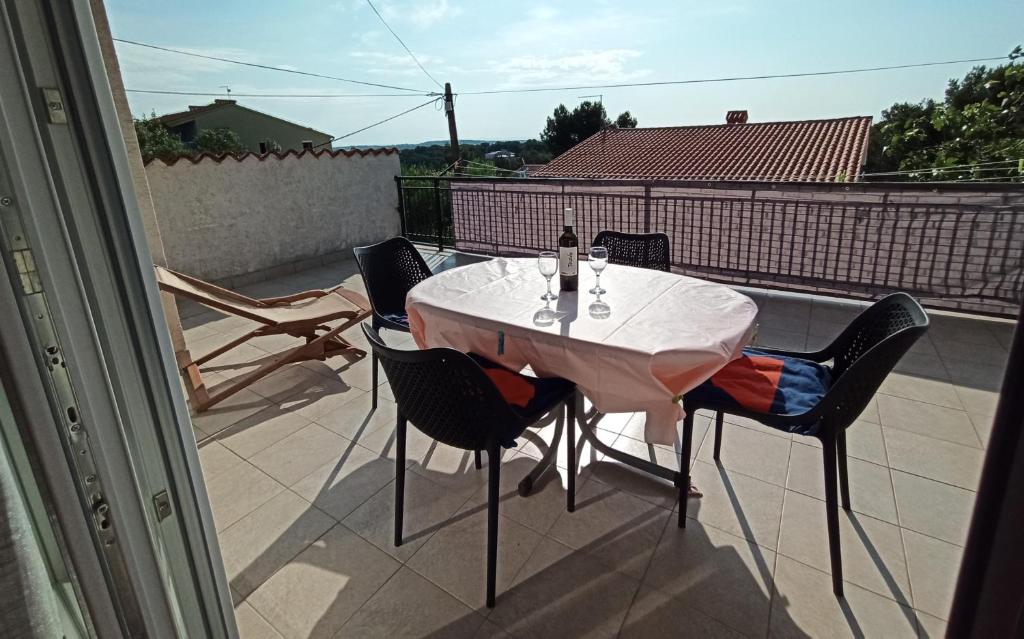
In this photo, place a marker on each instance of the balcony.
(300, 477)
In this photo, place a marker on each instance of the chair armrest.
(820, 356)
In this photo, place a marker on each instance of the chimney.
(736, 117)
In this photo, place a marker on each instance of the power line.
(407, 49)
(268, 67)
(733, 79)
(388, 119)
(955, 167)
(282, 95)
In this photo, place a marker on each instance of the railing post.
(439, 219)
(647, 208)
(401, 204)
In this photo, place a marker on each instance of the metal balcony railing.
(957, 246)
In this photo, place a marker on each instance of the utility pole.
(453, 133)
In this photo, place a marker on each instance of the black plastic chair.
(450, 397)
(644, 250)
(390, 269)
(861, 357)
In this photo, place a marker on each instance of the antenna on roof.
(226, 88)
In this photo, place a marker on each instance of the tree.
(156, 141)
(565, 129)
(625, 121)
(218, 141)
(976, 131)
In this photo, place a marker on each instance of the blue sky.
(478, 45)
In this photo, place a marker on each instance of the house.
(494, 155)
(258, 131)
(804, 150)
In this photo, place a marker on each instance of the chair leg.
(570, 452)
(719, 424)
(684, 468)
(399, 478)
(373, 396)
(828, 444)
(493, 498)
(476, 460)
(844, 477)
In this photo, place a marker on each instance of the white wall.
(231, 218)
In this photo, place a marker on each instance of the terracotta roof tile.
(807, 150)
(196, 159)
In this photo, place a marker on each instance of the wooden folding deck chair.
(303, 315)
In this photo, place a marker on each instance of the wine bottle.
(568, 255)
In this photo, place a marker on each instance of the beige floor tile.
(981, 402)
(237, 492)
(562, 593)
(251, 625)
(269, 537)
(618, 529)
(318, 400)
(541, 507)
(933, 458)
(654, 614)
(922, 389)
(870, 413)
(261, 430)
(923, 366)
(638, 483)
(934, 566)
(870, 486)
(982, 426)
(929, 627)
(837, 312)
(355, 419)
(299, 454)
(746, 423)
(1003, 332)
(428, 508)
(409, 606)
(982, 376)
(804, 606)
(872, 551)
(290, 380)
(491, 630)
(228, 412)
(782, 339)
(342, 485)
(962, 330)
(863, 441)
(741, 505)
(315, 593)
(953, 352)
(635, 429)
(927, 419)
(662, 455)
(761, 456)
(719, 574)
(455, 558)
(216, 459)
(933, 508)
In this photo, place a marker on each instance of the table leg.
(526, 483)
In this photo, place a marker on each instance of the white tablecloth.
(665, 334)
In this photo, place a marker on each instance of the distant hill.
(402, 147)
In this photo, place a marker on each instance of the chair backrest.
(645, 250)
(390, 269)
(867, 351)
(446, 395)
(212, 295)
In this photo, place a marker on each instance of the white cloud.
(581, 67)
(378, 62)
(427, 13)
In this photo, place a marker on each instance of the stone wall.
(257, 217)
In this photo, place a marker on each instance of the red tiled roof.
(196, 159)
(806, 150)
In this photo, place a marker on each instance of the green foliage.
(155, 141)
(432, 159)
(218, 141)
(980, 121)
(625, 121)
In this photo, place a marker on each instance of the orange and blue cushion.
(531, 397)
(765, 383)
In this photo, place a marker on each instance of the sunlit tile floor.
(300, 476)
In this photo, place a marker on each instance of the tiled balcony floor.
(300, 473)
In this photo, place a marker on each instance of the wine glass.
(547, 262)
(598, 260)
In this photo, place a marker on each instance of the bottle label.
(567, 261)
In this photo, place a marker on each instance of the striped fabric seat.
(531, 397)
(768, 384)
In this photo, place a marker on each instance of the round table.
(659, 336)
